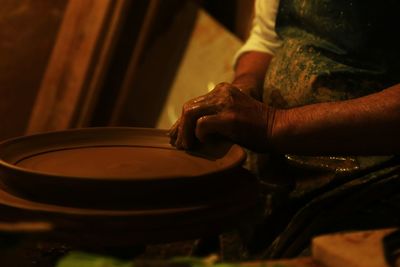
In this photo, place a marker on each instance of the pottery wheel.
(126, 178)
(115, 168)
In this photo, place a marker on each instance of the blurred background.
(74, 63)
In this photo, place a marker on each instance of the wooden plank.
(78, 60)
(357, 249)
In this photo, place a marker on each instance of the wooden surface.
(77, 64)
(28, 29)
(357, 249)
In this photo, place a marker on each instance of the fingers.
(186, 130)
(183, 134)
(177, 139)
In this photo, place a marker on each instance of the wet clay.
(122, 162)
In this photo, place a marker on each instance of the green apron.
(331, 50)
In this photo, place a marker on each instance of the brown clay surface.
(122, 162)
(117, 168)
(115, 153)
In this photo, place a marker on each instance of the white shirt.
(263, 37)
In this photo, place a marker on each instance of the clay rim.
(9, 199)
(238, 162)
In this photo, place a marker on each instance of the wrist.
(278, 126)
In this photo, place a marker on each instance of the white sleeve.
(263, 37)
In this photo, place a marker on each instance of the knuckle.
(225, 94)
(231, 117)
(230, 99)
(185, 107)
(191, 110)
(224, 87)
(188, 109)
(232, 121)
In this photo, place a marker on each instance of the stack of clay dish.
(126, 183)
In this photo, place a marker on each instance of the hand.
(226, 112)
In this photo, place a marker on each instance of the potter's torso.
(333, 50)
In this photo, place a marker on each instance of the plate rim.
(15, 168)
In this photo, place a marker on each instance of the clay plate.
(130, 226)
(113, 168)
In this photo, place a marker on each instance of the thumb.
(209, 125)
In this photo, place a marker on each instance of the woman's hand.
(225, 112)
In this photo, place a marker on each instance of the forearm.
(250, 72)
(368, 125)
